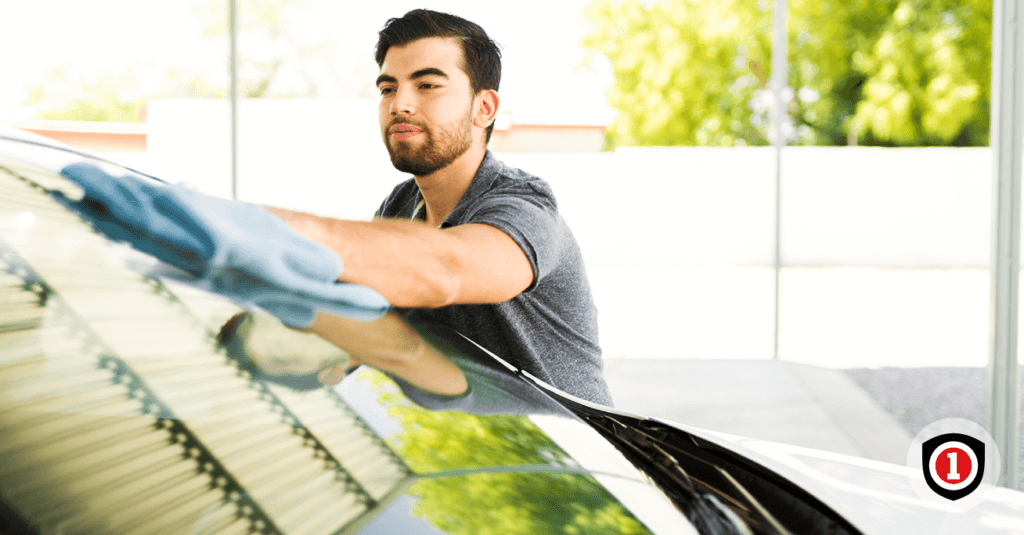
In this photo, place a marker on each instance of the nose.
(403, 102)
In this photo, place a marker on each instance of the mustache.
(391, 124)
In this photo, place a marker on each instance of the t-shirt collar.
(485, 176)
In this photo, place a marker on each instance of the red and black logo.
(953, 464)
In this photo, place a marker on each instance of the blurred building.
(133, 137)
(93, 136)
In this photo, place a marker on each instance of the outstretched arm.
(416, 266)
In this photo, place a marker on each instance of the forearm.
(387, 338)
(410, 264)
(390, 345)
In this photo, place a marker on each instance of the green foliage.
(522, 504)
(435, 441)
(501, 502)
(681, 75)
(98, 101)
(67, 94)
(928, 75)
(915, 72)
(269, 43)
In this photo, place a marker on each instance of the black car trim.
(795, 508)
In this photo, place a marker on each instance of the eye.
(387, 90)
(428, 86)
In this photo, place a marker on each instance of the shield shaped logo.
(953, 464)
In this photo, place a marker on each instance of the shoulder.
(511, 182)
(512, 200)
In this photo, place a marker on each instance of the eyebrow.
(429, 71)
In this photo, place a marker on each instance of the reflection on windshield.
(510, 504)
(431, 441)
(434, 366)
(523, 487)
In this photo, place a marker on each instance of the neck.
(442, 189)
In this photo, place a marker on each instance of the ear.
(486, 107)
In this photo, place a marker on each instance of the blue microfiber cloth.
(232, 248)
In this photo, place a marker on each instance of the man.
(467, 243)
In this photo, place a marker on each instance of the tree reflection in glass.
(513, 477)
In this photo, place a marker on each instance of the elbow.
(437, 289)
(443, 292)
(444, 283)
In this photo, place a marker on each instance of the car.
(124, 410)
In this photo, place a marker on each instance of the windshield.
(122, 410)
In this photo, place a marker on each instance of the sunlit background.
(885, 251)
(650, 119)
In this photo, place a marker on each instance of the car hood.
(873, 496)
(878, 497)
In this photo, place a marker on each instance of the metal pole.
(233, 31)
(1003, 404)
(780, 51)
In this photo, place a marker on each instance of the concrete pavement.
(785, 402)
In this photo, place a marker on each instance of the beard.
(443, 145)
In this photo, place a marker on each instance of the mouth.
(402, 132)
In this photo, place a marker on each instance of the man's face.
(426, 105)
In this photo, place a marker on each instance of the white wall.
(686, 206)
(323, 156)
(887, 251)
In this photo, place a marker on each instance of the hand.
(270, 350)
(280, 350)
(232, 248)
(122, 207)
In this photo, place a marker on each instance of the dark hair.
(233, 348)
(481, 58)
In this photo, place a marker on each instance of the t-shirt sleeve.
(529, 217)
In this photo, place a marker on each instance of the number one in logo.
(953, 476)
(950, 460)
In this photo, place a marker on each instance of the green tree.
(895, 73)
(273, 51)
(928, 75)
(681, 73)
(68, 94)
(64, 95)
(824, 39)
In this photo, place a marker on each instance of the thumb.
(332, 376)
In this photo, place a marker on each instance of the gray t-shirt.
(550, 329)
